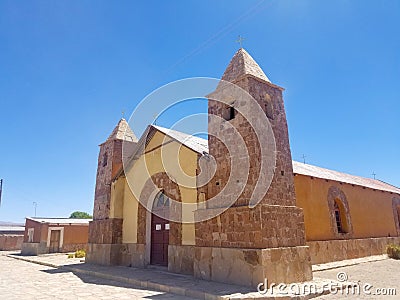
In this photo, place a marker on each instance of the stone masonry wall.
(264, 226)
(108, 231)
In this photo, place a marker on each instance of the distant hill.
(2, 223)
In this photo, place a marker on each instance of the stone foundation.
(133, 255)
(181, 259)
(334, 250)
(34, 248)
(103, 254)
(249, 267)
(129, 255)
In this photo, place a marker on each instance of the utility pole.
(1, 188)
(373, 174)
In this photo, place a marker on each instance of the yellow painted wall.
(179, 162)
(117, 198)
(370, 211)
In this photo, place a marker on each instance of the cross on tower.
(240, 40)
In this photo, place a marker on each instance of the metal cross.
(240, 40)
(373, 174)
(304, 159)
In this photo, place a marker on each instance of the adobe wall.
(11, 241)
(371, 211)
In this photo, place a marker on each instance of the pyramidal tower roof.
(243, 64)
(122, 132)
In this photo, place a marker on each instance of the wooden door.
(159, 241)
(160, 230)
(54, 241)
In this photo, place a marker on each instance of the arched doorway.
(160, 230)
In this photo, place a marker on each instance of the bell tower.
(247, 244)
(109, 163)
(105, 231)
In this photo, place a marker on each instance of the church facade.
(149, 212)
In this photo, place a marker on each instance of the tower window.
(230, 112)
(269, 108)
(105, 159)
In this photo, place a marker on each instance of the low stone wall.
(181, 259)
(249, 267)
(34, 248)
(334, 250)
(11, 241)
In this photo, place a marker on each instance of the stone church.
(149, 212)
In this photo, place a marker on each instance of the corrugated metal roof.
(314, 171)
(195, 143)
(61, 220)
(12, 228)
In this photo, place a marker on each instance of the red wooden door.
(159, 241)
(160, 231)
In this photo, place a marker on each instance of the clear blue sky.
(68, 69)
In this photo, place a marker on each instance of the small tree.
(80, 215)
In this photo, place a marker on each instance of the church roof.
(314, 171)
(122, 132)
(195, 143)
(243, 64)
(200, 145)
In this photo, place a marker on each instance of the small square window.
(229, 113)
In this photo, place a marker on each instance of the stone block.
(249, 267)
(181, 259)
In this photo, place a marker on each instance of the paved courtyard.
(375, 277)
(24, 280)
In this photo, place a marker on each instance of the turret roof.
(122, 132)
(243, 64)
